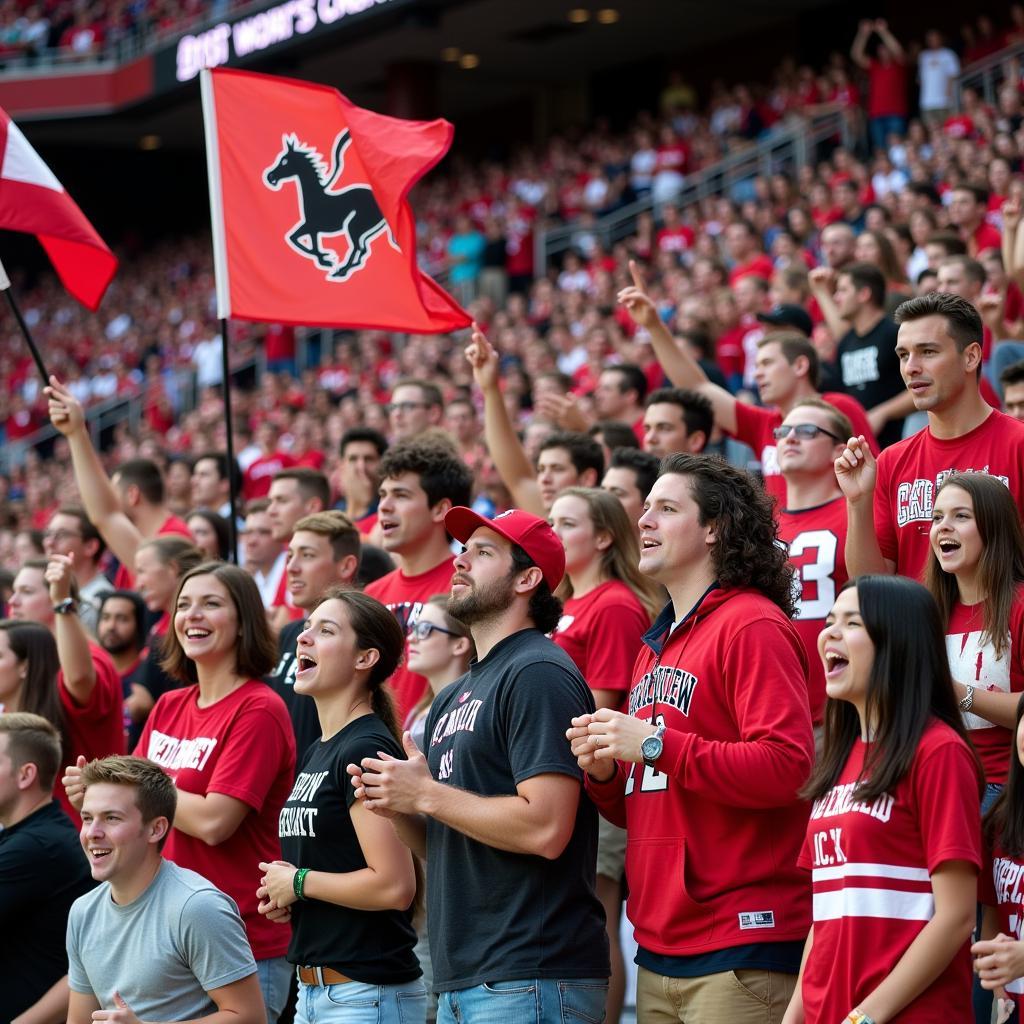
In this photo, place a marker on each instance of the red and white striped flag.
(32, 200)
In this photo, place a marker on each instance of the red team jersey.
(1001, 885)
(242, 746)
(405, 597)
(755, 423)
(871, 866)
(713, 833)
(975, 664)
(95, 729)
(601, 632)
(910, 472)
(816, 541)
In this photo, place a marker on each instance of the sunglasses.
(422, 630)
(804, 431)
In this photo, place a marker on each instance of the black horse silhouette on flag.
(351, 211)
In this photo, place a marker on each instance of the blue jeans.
(882, 127)
(358, 1003)
(573, 1001)
(274, 977)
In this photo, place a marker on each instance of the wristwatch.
(69, 606)
(652, 747)
(967, 700)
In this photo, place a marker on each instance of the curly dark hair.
(442, 473)
(746, 552)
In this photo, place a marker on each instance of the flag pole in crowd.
(223, 300)
(37, 356)
(32, 200)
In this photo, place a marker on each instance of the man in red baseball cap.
(495, 805)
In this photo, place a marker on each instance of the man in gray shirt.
(152, 942)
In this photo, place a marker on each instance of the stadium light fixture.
(451, 54)
(607, 16)
(579, 15)
(468, 61)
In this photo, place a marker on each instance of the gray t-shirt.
(164, 951)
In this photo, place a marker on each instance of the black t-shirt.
(301, 709)
(869, 370)
(370, 946)
(42, 872)
(497, 916)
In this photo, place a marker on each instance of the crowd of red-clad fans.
(805, 737)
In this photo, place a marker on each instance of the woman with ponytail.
(347, 883)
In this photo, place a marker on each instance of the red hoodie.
(713, 836)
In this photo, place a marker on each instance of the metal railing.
(987, 75)
(117, 409)
(786, 149)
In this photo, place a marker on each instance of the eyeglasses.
(804, 431)
(407, 406)
(59, 535)
(422, 630)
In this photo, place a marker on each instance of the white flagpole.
(220, 255)
(220, 273)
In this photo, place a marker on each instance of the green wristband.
(298, 881)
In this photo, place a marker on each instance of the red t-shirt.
(124, 578)
(760, 266)
(729, 350)
(887, 97)
(755, 423)
(242, 746)
(256, 480)
(677, 239)
(95, 729)
(975, 664)
(910, 471)
(602, 632)
(1001, 885)
(871, 867)
(984, 237)
(816, 541)
(405, 596)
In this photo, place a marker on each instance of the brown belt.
(320, 976)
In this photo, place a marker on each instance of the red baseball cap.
(530, 532)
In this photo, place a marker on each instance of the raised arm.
(679, 366)
(823, 285)
(101, 500)
(510, 458)
(894, 46)
(858, 52)
(856, 471)
(72, 640)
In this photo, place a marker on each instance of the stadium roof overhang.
(519, 46)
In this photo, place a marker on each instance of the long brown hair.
(32, 643)
(376, 629)
(620, 560)
(1001, 566)
(255, 651)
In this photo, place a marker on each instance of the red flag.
(308, 201)
(34, 201)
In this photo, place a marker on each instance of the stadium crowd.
(694, 570)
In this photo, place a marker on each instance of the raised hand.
(65, 411)
(72, 782)
(856, 470)
(483, 359)
(638, 303)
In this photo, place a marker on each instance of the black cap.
(788, 315)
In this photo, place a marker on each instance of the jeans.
(274, 977)
(358, 1003)
(882, 127)
(573, 1001)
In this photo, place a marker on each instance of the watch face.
(651, 747)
